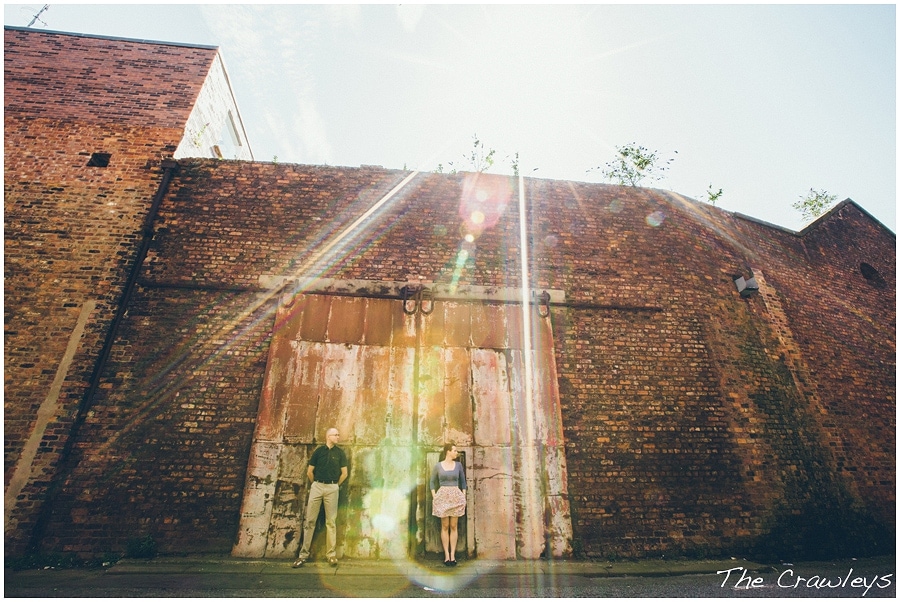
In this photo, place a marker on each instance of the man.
(327, 470)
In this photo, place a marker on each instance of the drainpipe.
(170, 167)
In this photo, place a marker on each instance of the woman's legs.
(445, 535)
(453, 535)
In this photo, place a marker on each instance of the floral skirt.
(449, 501)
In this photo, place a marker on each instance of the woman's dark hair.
(447, 447)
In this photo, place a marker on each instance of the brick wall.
(685, 428)
(164, 451)
(72, 229)
(102, 80)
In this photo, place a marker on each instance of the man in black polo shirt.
(327, 470)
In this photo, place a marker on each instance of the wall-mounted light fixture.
(746, 287)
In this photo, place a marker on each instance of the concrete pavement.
(225, 573)
(201, 576)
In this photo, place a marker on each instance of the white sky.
(763, 101)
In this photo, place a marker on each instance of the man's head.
(332, 436)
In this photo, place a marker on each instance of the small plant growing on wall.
(634, 163)
(197, 137)
(814, 203)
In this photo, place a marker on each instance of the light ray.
(530, 469)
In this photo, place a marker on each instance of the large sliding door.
(399, 378)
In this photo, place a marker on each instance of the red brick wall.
(165, 449)
(71, 231)
(686, 431)
(102, 80)
(843, 327)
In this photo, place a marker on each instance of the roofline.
(837, 208)
(818, 221)
(761, 222)
(114, 38)
(234, 100)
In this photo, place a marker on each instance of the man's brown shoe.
(332, 561)
(298, 563)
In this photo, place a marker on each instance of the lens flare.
(484, 200)
(656, 219)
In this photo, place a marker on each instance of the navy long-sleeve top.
(456, 477)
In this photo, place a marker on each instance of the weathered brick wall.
(71, 229)
(686, 431)
(842, 328)
(164, 450)
(71, 232)
(102, 80)
(854, 353)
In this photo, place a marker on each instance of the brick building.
(627, 371)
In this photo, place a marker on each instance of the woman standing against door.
(448, 492)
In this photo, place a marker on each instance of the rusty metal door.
(399, 378)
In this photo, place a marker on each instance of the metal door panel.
(373, 397)
(259, 496)
(399, 417)
(488, 326)
(558, 508)
(378, 321)
(275, 392)
(492, 506)
(431, 396)
(433, 326)
(316, 309)
(346, 320)
(517, 393)
(305, 378)
(530, 525)
(547, 386)
(289, 502)
(514, 324)
(403, 327)
(340, 389)
(490, 392)
(388, 504)
(456, 324)
(457, 397)
(289, 319)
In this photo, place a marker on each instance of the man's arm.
(309, 473)
(343, 476)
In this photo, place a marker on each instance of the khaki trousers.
(320, 493)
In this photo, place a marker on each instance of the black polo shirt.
(327, 463)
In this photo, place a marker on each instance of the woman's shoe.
(452, 563)
(447, 563)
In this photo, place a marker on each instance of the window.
(232, 129)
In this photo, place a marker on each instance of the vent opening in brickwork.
(872, 275)
(99, 160)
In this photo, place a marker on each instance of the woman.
(448, 492)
